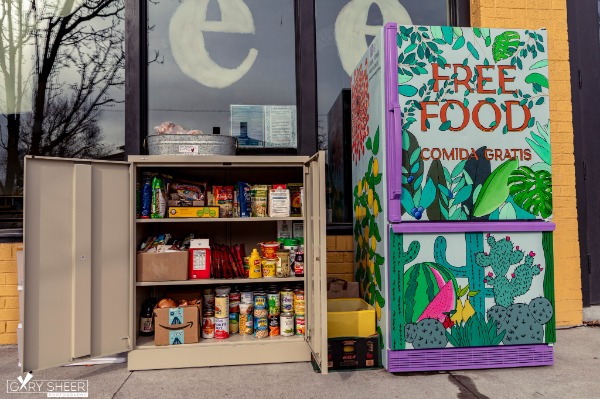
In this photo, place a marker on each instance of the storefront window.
(61, 87)
(205, 56)
(344, 29)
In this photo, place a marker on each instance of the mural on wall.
(476, 130)
(500, 295)
(368, 182)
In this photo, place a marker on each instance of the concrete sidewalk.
(576, 374)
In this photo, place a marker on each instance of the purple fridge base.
(486, 357)
(393, 122)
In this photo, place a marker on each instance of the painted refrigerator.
(452, 196)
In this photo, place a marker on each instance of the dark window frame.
(136, 73)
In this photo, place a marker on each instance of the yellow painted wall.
(9, 300)
(552, 15)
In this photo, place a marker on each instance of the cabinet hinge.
(589, 263)
(584, 170)
(580, 79)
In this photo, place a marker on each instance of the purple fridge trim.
(472, 227)
(485, 357)
(393, 122)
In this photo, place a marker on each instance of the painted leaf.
(407, 90)
(406, 200)
(460, 42)
(505, 45)
(436, 32)
(457, 31)
(376, 142)
(448, 34)
(495, 189)
(412, 144)
(541, 147)
(402, 78)
(537, 78)
(532, 190)
(458, 168)
(473, 50)
(445, 126)
(508, 212)
(463, 194)
(435, 211)
(428, 194)
(539, 64)
(415, 155)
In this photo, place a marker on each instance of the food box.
(295, 198)
(163, 266)
(338, 288)
(194, 212)
(350, 317)
(353, 353)
(175, 326)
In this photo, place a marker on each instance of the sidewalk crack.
(126, 379)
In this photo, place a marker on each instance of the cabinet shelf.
(221, 281)
(234, 339)
(212, 220)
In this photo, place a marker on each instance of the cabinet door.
(315, 259)
(77, 285)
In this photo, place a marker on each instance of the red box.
(199, 263)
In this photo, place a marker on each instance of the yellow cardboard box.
(193, 212)
(350, 317)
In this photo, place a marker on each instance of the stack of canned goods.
(261, 312)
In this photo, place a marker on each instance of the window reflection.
(62, 76)
(210, 54)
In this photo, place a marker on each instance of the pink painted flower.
(512, 275)
(532, 254)
(517, 248)
(487, 235)
(490, 274)
(507, 238)
(485, 280)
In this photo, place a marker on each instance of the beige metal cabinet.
(81, 298)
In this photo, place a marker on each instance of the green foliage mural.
(496, 82)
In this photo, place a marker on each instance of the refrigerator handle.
(395, 156)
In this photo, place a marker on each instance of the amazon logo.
(180, 327)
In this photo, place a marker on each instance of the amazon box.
(176, 326)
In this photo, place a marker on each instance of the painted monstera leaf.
(532, 190)
(505, 45)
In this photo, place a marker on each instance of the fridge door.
(78, 277)
(315, 259)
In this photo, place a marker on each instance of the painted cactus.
(501, 257)
(426, 334)
(522, 322)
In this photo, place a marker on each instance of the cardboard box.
(193, 212)
(338, 288)
(175, 326)
(353, 353)
(350, 317)
(163, 266)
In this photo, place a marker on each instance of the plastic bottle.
(255, 265)
(146, 196)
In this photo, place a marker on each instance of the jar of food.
(283, 263)
(208, 324)
(299, 264)
(269, 248)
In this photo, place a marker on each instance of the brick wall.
(552, 15)
(9, 300)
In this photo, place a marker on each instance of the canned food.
(246, 308)
(246, 324)
(287, 300)
(222, 328)
(246, 266)
(234, 326)
(247, 296)
(208, 324)
(261, 327)
(299, 301)
(273, 326)
(222, 306)
(269, 267)
(274, 303)
(234, 302)
(223, 289)
(283, 263)
(286, 324)
(209, 298)
(300, 324)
